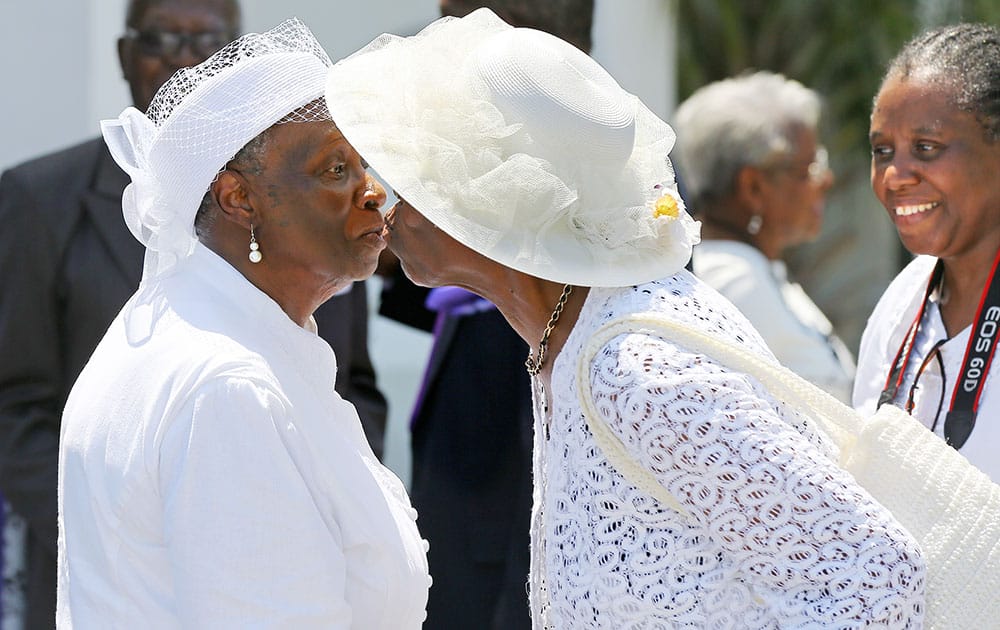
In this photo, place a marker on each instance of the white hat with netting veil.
(519, 146)
(199, 120)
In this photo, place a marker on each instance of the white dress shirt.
(211, 477)
(791, 324)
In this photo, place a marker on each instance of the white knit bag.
(951, 508)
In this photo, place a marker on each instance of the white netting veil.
(198, 121)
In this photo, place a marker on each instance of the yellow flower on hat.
(666, 206)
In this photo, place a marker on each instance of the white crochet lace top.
(775, 535)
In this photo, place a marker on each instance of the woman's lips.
(374, 235)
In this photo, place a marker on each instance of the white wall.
(45, 57)
(61, 76)
(634, 40)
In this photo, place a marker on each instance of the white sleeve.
(758, 295)
(791, 518)
(247, 545)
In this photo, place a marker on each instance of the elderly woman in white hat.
(210, 476)
(527, 175)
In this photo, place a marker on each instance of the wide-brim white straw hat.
(521, 147)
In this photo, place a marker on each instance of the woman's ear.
(750, 188)
(233, 197)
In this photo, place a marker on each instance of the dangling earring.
(255, 255)
(756, 222)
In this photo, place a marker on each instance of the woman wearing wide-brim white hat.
(527, 175)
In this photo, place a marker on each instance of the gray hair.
(963, 57)
(251, 160)
(742, 121)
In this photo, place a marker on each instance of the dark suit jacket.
(67, 265)
(472, 443)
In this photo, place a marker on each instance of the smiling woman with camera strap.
(935, 135)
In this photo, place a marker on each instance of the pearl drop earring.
(255, 255)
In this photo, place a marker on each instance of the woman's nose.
(373, 197)
(897, 175)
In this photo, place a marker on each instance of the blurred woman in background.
(754, 172)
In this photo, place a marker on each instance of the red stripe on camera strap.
(895, 378)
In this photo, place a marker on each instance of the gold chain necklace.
(533, 365)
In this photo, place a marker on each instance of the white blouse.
(778, 536)
(887, 326)
(211, 477)
(791, 324)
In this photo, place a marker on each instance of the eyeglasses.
(933, 354)
(169, 44)
(816, 171)
(925, 387)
